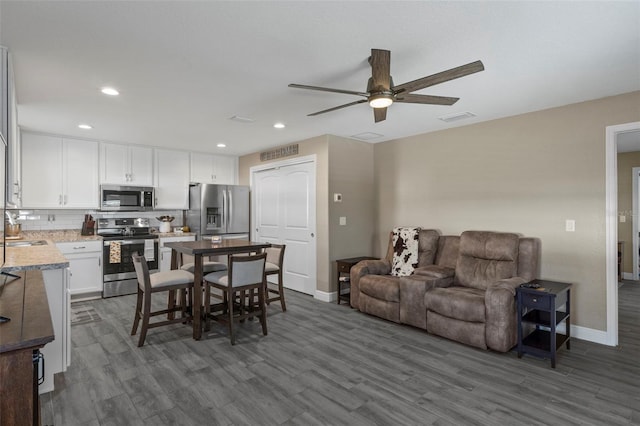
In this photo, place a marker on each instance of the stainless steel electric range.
(122, 237)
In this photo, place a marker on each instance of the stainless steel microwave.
(126, 198)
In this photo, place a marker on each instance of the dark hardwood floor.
(324, 364)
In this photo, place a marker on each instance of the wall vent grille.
(285, 151)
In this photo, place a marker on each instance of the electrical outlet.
(343, 220)
(623, 218)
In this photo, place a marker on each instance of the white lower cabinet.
(165, 252)
(57, 354)
(85, 265)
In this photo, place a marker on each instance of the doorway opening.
(613, 136)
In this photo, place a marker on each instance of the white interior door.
(285, 213)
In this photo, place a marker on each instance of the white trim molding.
(611, 226)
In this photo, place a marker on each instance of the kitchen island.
(24, 301)
(45, 264)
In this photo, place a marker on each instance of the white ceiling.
(184, 68)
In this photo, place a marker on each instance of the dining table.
(200, 248)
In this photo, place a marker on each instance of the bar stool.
(275, 259)
(154, 283)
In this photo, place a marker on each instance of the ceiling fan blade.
(380, 61)
(440, 77)
(327, 89)
(410, 98)
(338, 107)
(379, 114)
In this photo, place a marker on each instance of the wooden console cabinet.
(24, 301)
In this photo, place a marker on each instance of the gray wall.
(524, 174)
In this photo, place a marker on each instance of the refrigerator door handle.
(224, 211)
(230, 210)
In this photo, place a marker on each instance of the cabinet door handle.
(60, 199)
(79, 247)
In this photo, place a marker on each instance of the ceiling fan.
(381, 92)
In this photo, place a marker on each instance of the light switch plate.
(337, 198)
(570, 225)
(343, 220)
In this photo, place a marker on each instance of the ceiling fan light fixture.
(380, 100)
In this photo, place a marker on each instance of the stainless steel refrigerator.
(218, 210)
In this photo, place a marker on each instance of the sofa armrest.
(501, 320)
(435, 271)
(413, 288)
(362, 268)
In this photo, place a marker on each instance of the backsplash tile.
(44, 220)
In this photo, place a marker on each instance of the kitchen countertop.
(73, 235)
(48, 256)
(34, 257)
(174, 234)
(58, 236)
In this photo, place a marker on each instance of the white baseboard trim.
(324, 296)
(590, 335)
(628, 276)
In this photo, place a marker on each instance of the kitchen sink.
(26, 243)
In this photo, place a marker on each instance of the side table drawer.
(542, 302)
(344, 267)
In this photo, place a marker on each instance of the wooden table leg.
(197, 296)
(171, 301)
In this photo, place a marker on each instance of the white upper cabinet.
(59, 173)
(171, 179)
(126, 165)
(209, 168)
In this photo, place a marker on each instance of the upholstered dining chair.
(186, 264)
(275, 258)
(245, 274)
(149, 284)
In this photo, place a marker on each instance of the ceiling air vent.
(240, 119)
(456, 117)
(367, 136)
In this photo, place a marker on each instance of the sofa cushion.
(405, 251)
(382, 287)
(462, 303)
(486, 257)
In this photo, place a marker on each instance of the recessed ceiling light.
(110, 91)
(85, 126)
(221, 145)
(279, 125)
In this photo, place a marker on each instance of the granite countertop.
(59, 236)
(34, 257)
(174, 234)
(48, 256)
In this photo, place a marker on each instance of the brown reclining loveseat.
(463, 287)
